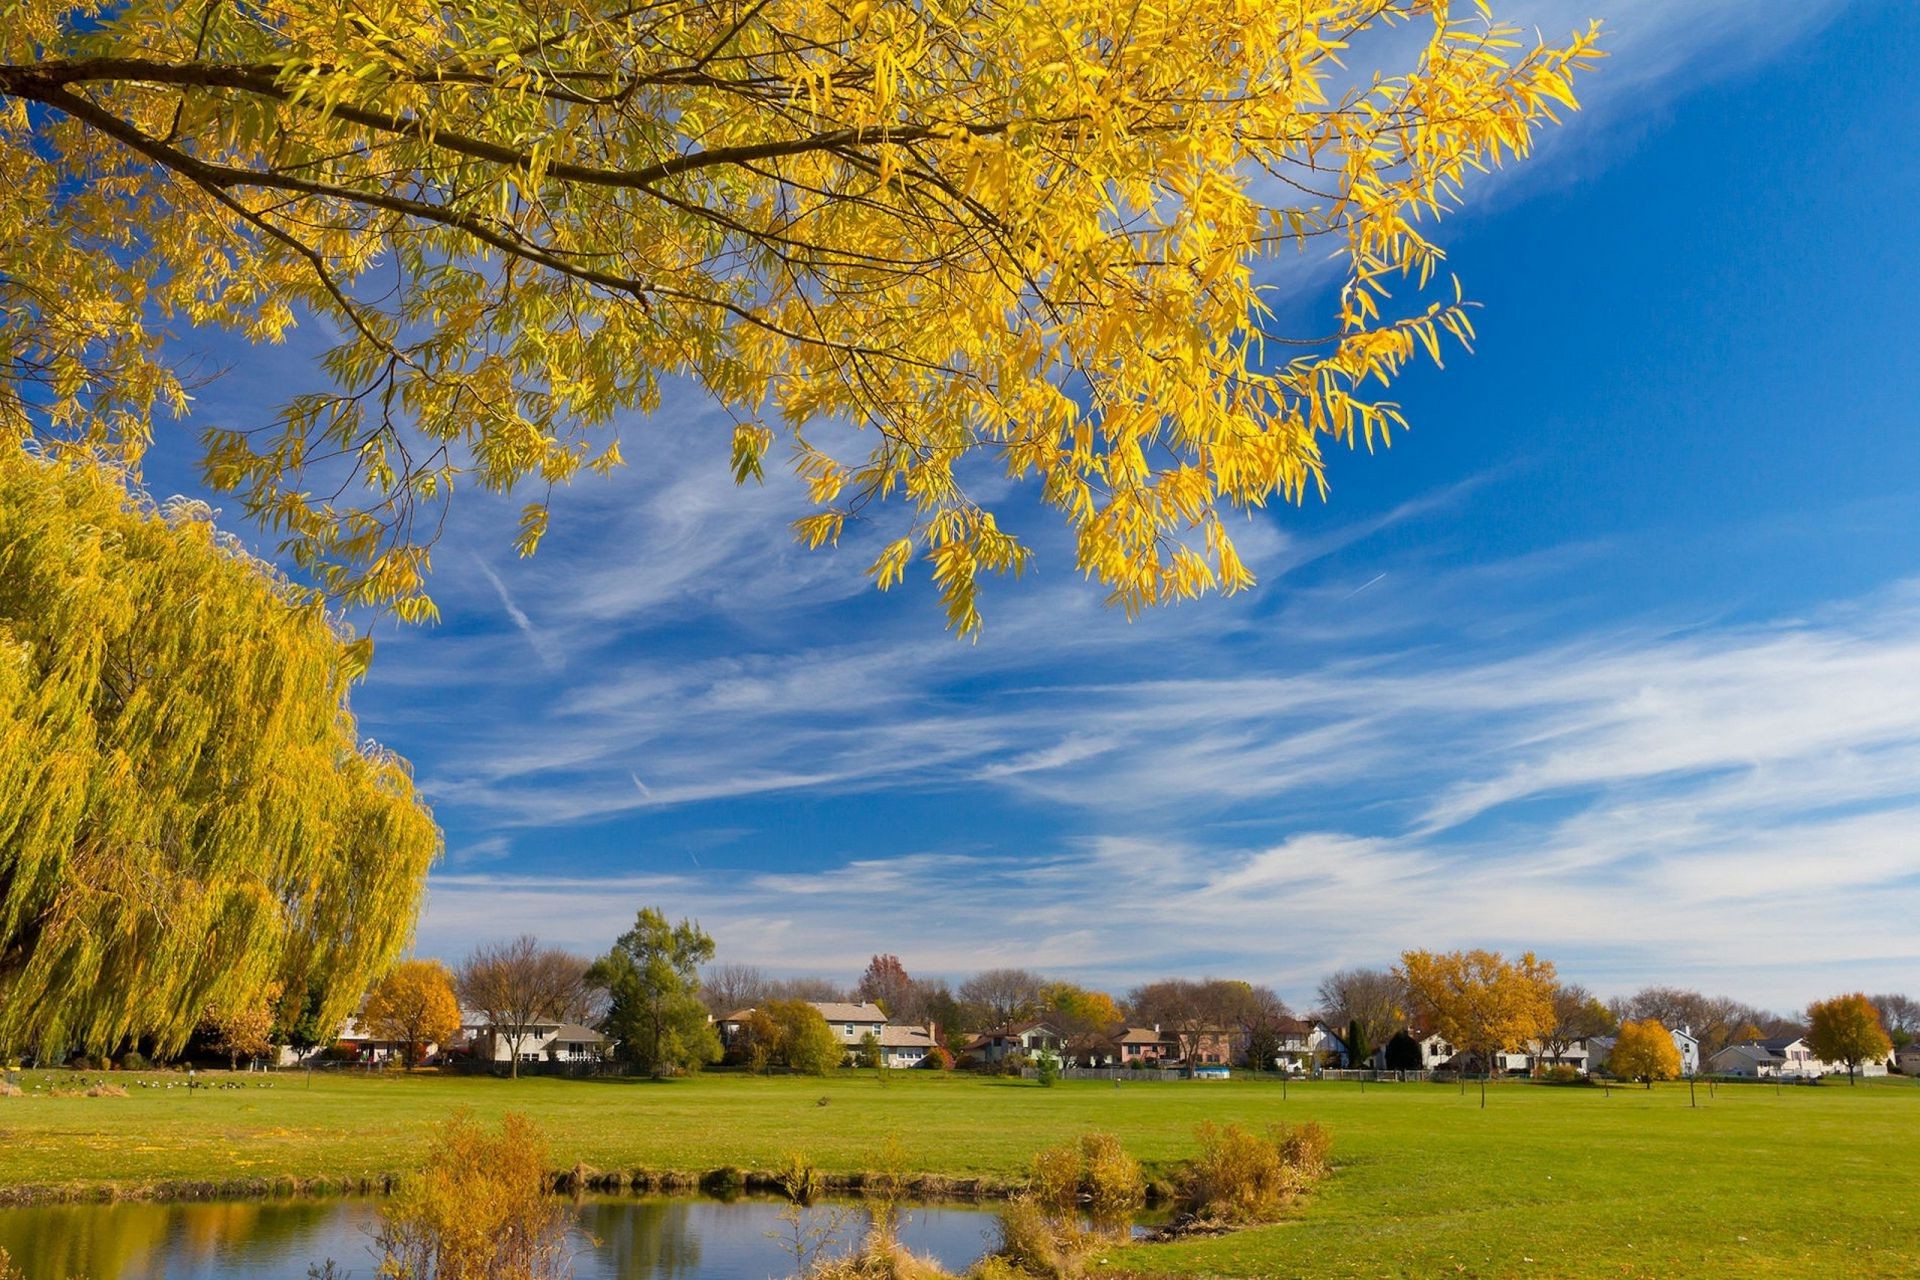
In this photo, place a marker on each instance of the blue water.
(614, 1239)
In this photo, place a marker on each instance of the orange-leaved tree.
(1644, 1050)
(415, 1006)
(1038, 231)
(1847, 1029)
(1481, 1001)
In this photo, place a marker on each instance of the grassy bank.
(1550, 1182)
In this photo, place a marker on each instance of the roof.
(738, 1015)
(1778, 1044)
(1140, 1035)
(1753, 1050)
(905, 1038)
(573, 1031)
(840, 1011)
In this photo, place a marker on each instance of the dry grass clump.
(881, 1256)
(9, 1091)
(478, 1211)
(1077, 1195)
(1241, 1177)
(798, 1178)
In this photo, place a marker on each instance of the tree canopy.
(652, 977)
(191, 817)
(520, 984)
(1847, 1029)
(1644, 1050)
(413, 1004)
(892, 238)
(1480, 1000)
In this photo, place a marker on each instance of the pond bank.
(925, 1188)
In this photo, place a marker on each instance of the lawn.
(1543, 1182)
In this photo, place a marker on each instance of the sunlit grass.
(1544, 1181)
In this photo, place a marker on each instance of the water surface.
(637, 1238)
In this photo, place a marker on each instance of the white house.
(544, 1040)
(904, 1046)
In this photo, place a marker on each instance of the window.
(849, 1028)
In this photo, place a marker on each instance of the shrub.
(938, 1059)
(1305, 1148)
(133, 1060)
(479, 1209)
(1053, 1178)
(798, 1178)
(1036, 1243)
(1049, 1068)
(1241, 1177)
(1561, 1073)
(1113, 1182)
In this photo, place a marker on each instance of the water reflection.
(614, 1239)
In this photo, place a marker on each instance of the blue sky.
(1616, 656)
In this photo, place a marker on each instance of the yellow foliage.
(415, 1005)
(1847, 1029)
(480, 1210)
(1479, 1000)
(1645, 1051)
(190, 817)
(1033, 229)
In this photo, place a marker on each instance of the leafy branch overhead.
(1030, 229)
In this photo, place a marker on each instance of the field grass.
(1543, 1182)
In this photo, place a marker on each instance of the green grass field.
(1544, 1182)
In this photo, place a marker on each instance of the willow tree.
(188, 818)
(1034, 230)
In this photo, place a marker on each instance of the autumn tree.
(415, 1006)
(1481, 1001)
(1847, 1029)
(1038, 230)
(652, 976)
(243, 1031)
(519, 985)
(885, 982)
(1077, 1010)
(188, 813)
(1578, 1015)
(1375, 998)
(1644, 1050)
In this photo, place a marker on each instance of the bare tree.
(1003, 994)
(1577, 1014)
(730, 987)
(809, 989)
(1374, 998)
(520, 984)
(1899, 1014)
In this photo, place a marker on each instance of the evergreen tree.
(1358, 1050)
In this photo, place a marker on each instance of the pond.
(629, 1238)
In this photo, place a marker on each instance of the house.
(1144, 1045)
(544, 1040)
(1435, 1051)
(1031, 1038)
(905, 1046)
(852, 1023)
(1906, 1059)
(1795, 1056)
(1749, 1061)
(1300, 1044)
